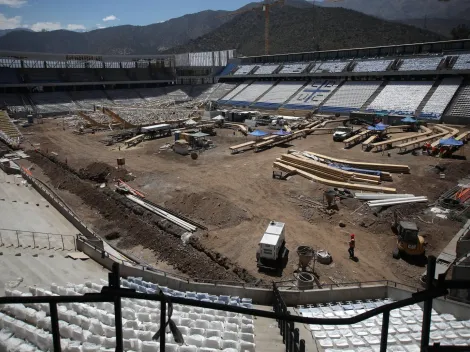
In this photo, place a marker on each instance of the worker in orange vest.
(352, 246)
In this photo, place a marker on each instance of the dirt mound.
(137, 227)
(102, 172)
(211, 208)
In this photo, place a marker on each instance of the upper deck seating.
(421, 64)
(266, 69)
(463, 62)
(372, 65)
(244, 70)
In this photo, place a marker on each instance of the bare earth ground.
(235, 196)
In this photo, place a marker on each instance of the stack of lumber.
(329, 182)
(425, 132)
(322, 170)
(419, 141)
(451, 132)
(463, 136)
(391, 168)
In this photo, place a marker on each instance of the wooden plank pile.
(326, 171)
(390, 168)
(329, 182)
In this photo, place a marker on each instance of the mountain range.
(306, 29)
(297, 26)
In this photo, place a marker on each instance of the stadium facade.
(426, 80)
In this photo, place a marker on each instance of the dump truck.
(272, 253)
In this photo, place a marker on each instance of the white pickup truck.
(344, 132)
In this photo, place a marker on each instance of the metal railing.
(114, 293)
(290, 334)
(37, 237)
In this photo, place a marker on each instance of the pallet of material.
(323, 170)
(405, 169)
(417, 143)
(366, 144)
(332, 183)
(380, 145)
(237, 148)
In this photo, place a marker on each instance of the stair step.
(427, 97)
(373, 96)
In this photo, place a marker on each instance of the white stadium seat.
(352, 95)
(372, 65)
(400, 97)
(421, 64)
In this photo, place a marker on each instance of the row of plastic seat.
(353, 94)
(404, 329)
(93, 331)
(401, 97)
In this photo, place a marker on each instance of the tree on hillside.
(462, 31)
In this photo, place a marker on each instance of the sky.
(84, 15)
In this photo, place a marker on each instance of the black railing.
(290, 334)
(114, 293)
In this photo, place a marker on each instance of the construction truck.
(272, 253)
(409, 242)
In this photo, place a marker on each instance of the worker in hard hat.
(352, 245)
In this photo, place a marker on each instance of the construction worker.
(352, 245)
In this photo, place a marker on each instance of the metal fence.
(52, 240)
(114, 293)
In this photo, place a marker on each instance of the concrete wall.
(463, 245)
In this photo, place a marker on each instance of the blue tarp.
(258, 133)
(354, 169)
(379, 127)
(408, 119)
(450, 142)
(281, 133)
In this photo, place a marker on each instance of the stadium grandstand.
(426, 80)
(64, 287)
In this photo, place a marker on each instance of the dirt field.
(235, 196)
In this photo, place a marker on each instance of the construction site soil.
(235, 196)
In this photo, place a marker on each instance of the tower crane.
(266, 7)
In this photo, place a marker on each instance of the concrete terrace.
(40, 260)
